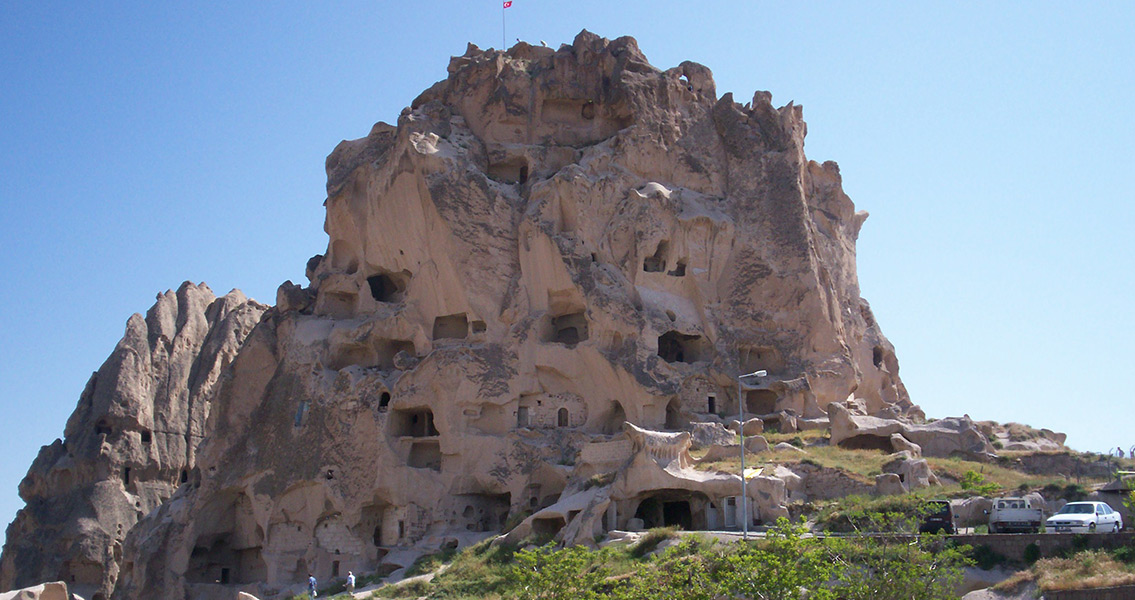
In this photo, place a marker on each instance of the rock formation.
(538, 291)
(54, 590)
(130, 442)
(954, 436)
(549, 244)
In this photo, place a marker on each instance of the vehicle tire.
(1115, 527)
(992, 528)
(1091, 527)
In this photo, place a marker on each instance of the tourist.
(311, 586)
(350, 582)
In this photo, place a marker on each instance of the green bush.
(785, 565)
(1124, 554)
(1032, 553)
(650, 541)
(873, 514)
(568, 574)
(430, 562)
(975, 482)
(1074, 492)
(985, 557)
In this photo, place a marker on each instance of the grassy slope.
(864, 465)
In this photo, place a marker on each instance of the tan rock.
(900, 444)
(130, 442)
(889, 484)
(942, 438)
(972, 512)
(536, 284)
(915, 473)
(703, 435)
(756, 444)
(56, 590)
(754, 427)
(786, 447)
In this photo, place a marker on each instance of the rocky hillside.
(130, 443)
(539, 289)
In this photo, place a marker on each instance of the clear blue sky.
(143, 144)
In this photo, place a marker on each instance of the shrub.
(430, 562)
(599, 480)
(568, 574)
(1032, 553)
(893, 568)
(975, 482)
(688, 571)
(650, 541)
(1074, 491)
(786, 566)
(985, 557)
(882, 514)
(1124, 554)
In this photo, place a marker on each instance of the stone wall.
(1123, 592)
(1013, 545)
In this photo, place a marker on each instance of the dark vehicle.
(939, 517)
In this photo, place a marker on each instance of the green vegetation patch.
(787, 564)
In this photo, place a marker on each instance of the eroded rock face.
(548, 244)
(129, 443)
(55, 590)
(535, 284)
(952, 436)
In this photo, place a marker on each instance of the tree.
(568, 574)
(785, 567)
(683, 572)
(896, 566)
(976, 483)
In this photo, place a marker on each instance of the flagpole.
(504, 45)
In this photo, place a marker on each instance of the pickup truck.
(1014, 515)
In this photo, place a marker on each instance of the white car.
(1085, 517)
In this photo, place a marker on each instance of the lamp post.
(744, 483)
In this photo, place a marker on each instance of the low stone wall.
(1123, 592)
(1012, 545)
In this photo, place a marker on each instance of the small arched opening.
(673, 508)
(868, 442)
(674, 419)
(761, 402)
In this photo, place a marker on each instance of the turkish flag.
(508, 4)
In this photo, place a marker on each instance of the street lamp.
(741, 420)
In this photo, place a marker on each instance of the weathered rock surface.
(1018, 437)
(56, 590)
(703, 435)
(941, 438)
(536, 282)
(914, 473)
(889, 484)
(130, 442)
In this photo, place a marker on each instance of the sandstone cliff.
(129, 444)
(538, 290)
(549, 244)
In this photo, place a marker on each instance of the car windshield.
(1077, 509)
